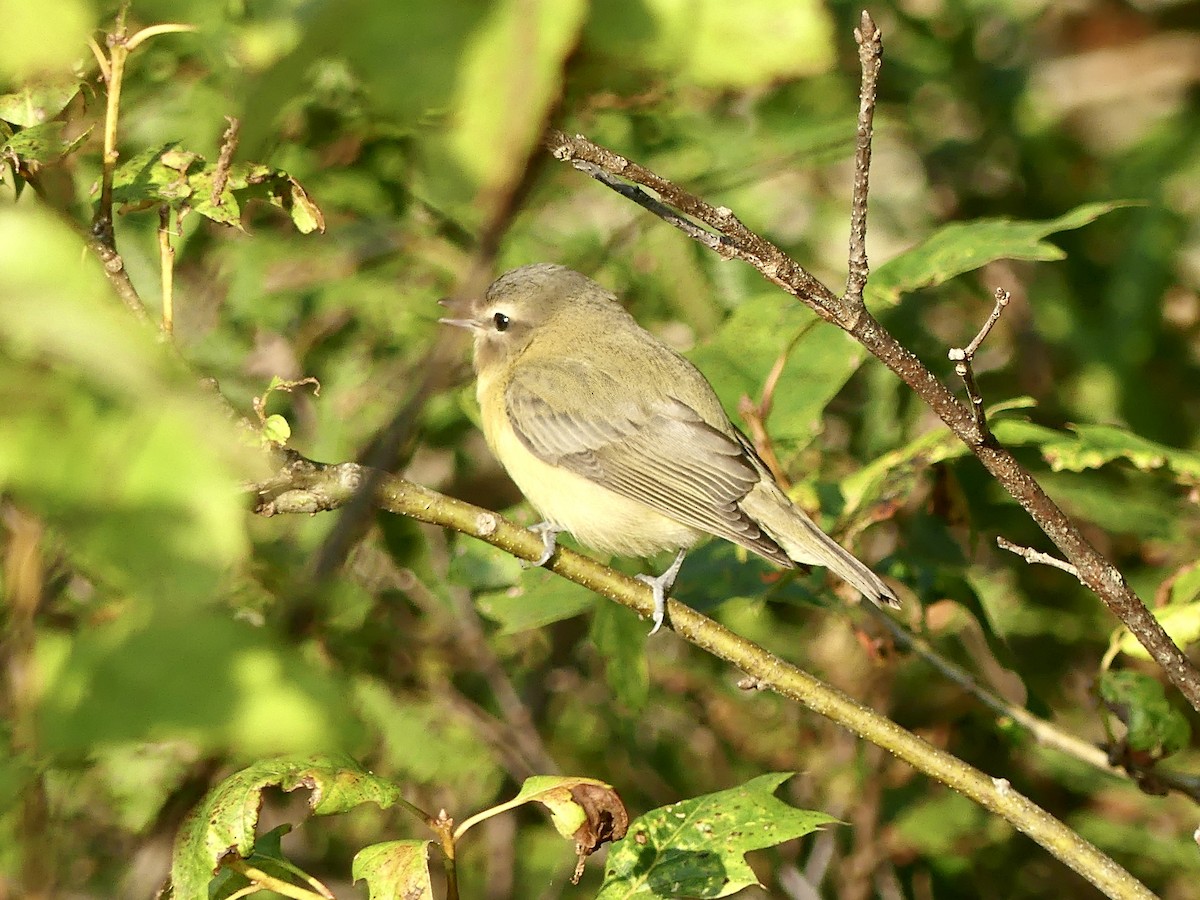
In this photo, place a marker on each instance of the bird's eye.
(501, 321)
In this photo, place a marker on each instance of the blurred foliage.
(158, 638)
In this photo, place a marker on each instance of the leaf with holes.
(225, 822)
(185, 181)
(697, 848)
(395, 869)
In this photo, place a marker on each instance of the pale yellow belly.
(594, 515)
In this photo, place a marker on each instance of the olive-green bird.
(619, 440)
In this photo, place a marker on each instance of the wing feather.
(658, 451)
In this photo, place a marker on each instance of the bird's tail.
(805, 543)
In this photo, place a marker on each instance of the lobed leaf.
(697, 848)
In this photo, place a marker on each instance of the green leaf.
(1153, 725)
(256, 695)
(423, 740)
(936, 827)
(395, 869)
(1092, 446)
(482, 567)
(186, 182)
(225, 821)
(105, 434)
(488, 117)
(540, 598)
(42, 38)
(894, 474)
(965, 246)
(697, 848)
(821, 358)
(508, 78)
(620, 636)
(716, 44)
(584, 810)
(38, 103)
(274, 186)
(276, 430)
(42, 144)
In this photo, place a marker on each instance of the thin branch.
(1037, 556)
(102, 238)
(114, 268)
(518, 738)
(303, 486)
(870, 57)
(755, 415)
(166, 268)
(1044, 733)
(1100, 575)
(715, 242)
(102, 224)
(732, 239)
(964, 357)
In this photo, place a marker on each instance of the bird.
(617, 439)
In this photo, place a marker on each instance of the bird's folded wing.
(656, 450)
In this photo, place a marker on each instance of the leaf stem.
(269, 882)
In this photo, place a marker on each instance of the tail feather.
(804, 542)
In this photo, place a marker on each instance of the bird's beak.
(458, 306)
(462, 323)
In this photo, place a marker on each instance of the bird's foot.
(549, 535)
(660, 587)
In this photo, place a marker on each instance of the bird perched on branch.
(619, 440)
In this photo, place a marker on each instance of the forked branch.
(719, 229)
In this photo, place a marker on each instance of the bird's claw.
(659, 586)
(660, 600)
(549, 535)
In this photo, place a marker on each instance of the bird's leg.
(661, 586)
(549, 533)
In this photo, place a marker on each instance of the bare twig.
(166, 267)
(715, 242)
(303, 486)
(964, 357)
(1037, 556)
(229, 142)
(870, 57)
(1100, 575)
(755, 415)
(100, 242)
(728, 237)
(1044, 733)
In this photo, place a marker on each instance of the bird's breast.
(596, 516)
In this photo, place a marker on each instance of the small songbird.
(619, 440)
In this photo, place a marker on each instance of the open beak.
(456, 306)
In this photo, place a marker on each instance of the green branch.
(303, 486)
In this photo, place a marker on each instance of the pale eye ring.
(501, 321)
